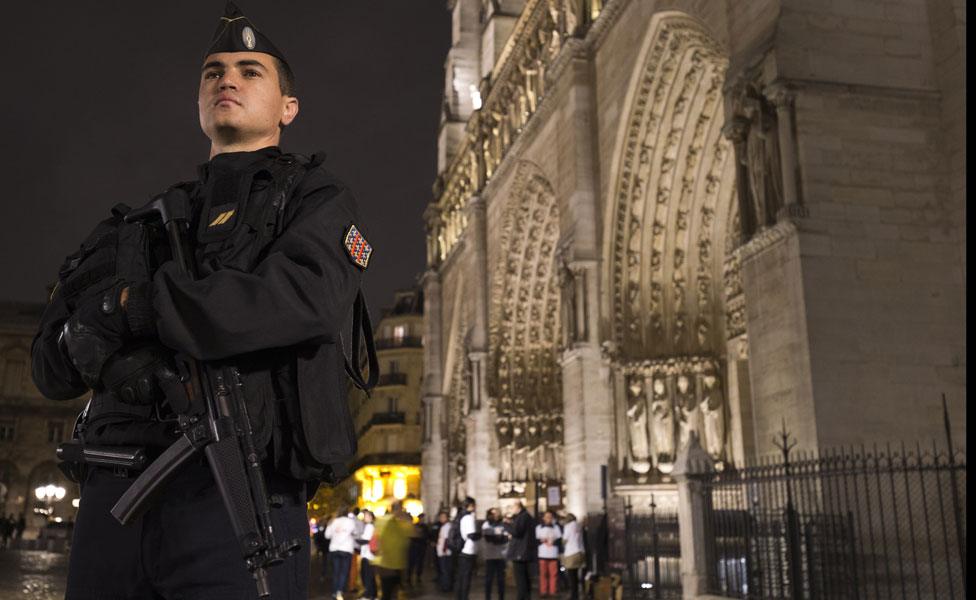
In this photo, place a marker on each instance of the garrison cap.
(236, 33)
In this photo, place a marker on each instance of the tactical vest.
(245, 230)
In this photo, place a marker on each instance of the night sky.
(99, 107)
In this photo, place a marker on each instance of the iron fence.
(853, 523)
(650, 554)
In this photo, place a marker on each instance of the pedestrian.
(341, 532)
(522, 549)
(548, 534)
(495, 541)
(279, 256)
(352, 581)
(7, 529)
(469, 550)
(19, 527)
(418, 547)
(318, 538)
(573, 553)
(393, 532)
(444, 558)
(366, 557)
(433, 529)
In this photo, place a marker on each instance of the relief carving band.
(685, 396)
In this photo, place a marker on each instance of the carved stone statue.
(662, 428)
(640, 450)
(687, 406)
(762, 154)
(713, 414)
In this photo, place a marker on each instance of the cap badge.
(357, 247)
(247, 35)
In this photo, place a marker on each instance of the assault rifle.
(216, 422)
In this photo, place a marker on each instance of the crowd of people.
(393, 549)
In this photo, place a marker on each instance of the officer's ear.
(289, 111)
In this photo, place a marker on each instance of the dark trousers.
(465, 572)
(182, 547)
(389, 580)
(520, 568)
(495, 571)
(368, 577)
(341, 561)
(415, 559)
(574, 583)
(447, 572)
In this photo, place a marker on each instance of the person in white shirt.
(341, 533)
(573, 556)
(445, 572)
(496, 537)
(470, 534)
(548, 535)
(366, 557)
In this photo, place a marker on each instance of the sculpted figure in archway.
(640, 449)
(759, 142)
(662, 432)
(713, 414)
(687, 407)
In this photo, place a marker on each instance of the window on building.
(55, 431)
(391, 404)
(13, 375)
(7, 430)
(399, 332)
(394, 366)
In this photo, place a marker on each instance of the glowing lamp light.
(76, 502)
(400, 488)
(50, 492)
(377, 489)
(413, 507)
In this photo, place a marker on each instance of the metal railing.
(851, 523)
(648, 554)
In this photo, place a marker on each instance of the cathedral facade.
(658, 219)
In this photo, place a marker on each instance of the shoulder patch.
(357, 247)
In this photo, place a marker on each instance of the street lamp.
(48, 494)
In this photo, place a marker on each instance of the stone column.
(780, 370)
(782, 96)
(482, 465)
(692, 465)
(587, 393)
(433, 491)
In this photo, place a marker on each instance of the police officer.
(280, 256)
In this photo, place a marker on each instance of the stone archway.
(524, 372)
(671, 228)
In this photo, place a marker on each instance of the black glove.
(95, 330)
(144, 375)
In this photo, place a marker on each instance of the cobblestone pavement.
(32, 574)
(40, 575)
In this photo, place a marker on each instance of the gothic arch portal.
(524, 373)
(669, 255)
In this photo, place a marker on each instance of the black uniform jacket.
(276, 310)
